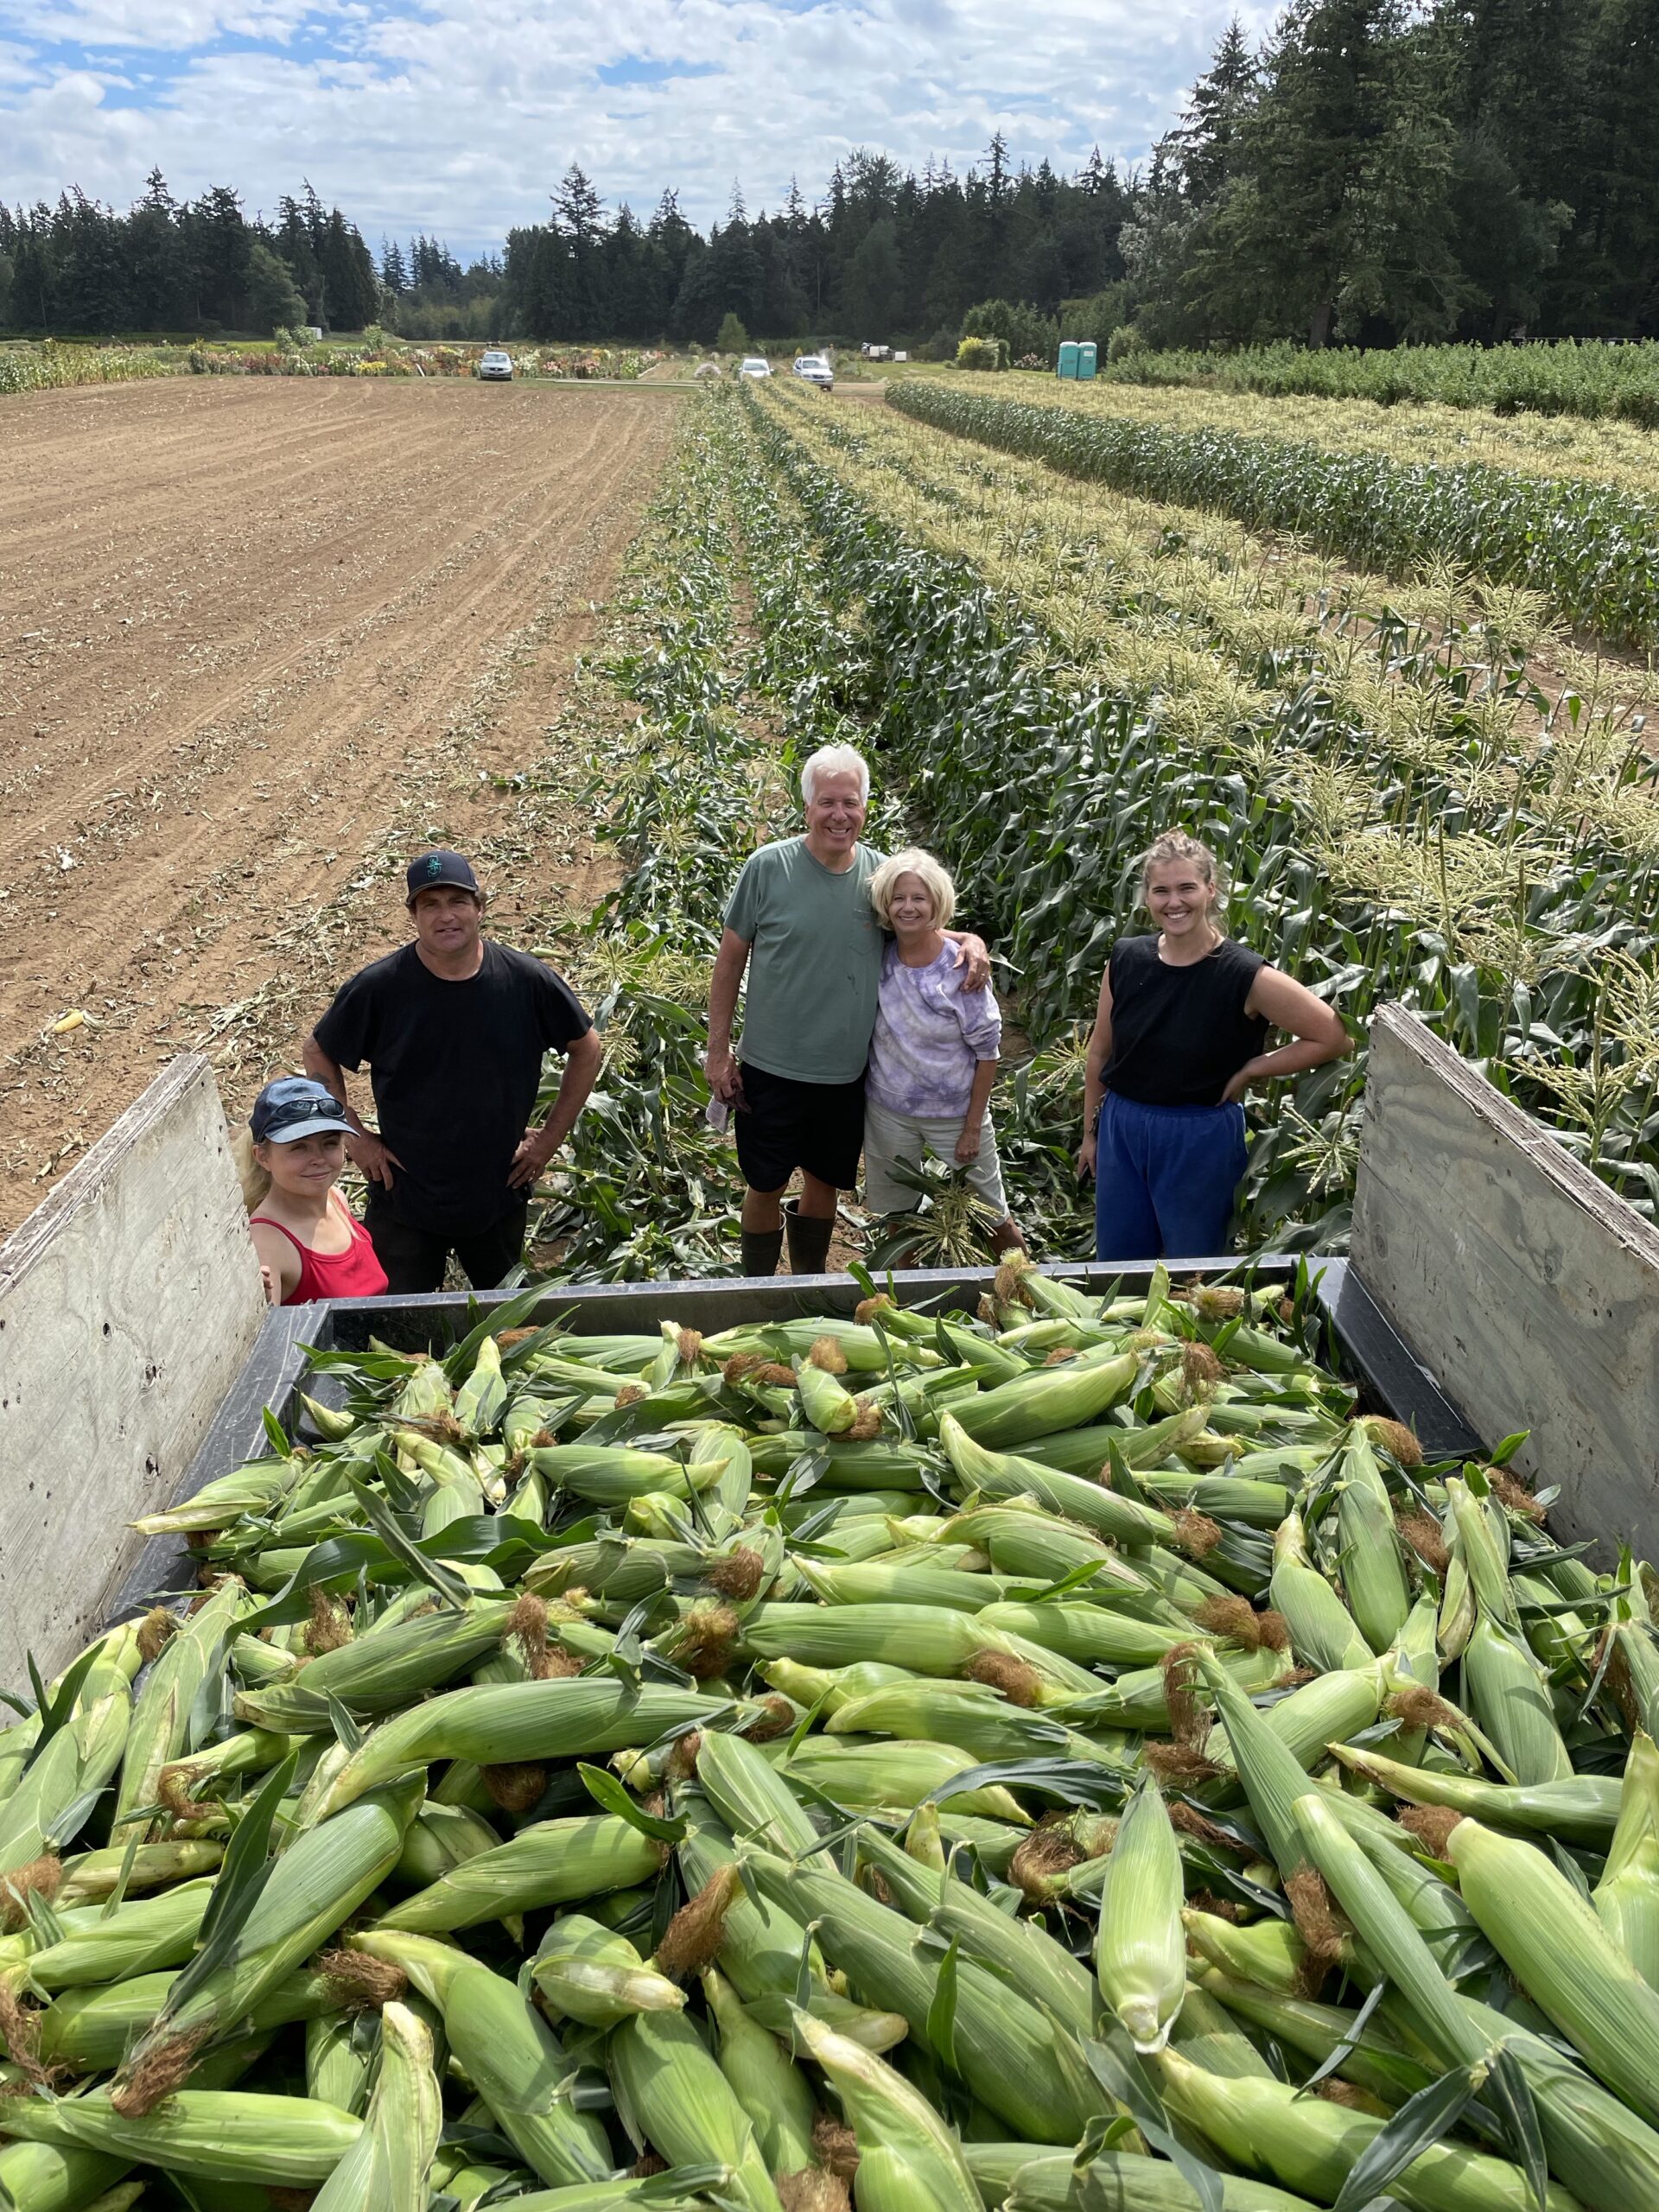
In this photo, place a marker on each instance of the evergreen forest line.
(1375, 174)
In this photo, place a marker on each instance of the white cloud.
(459, 116)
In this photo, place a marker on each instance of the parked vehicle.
(754, 364)
(495, 366)
(812, 368)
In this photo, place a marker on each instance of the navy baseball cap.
(430, 869)
(293, 1107)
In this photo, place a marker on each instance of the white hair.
(835, 761)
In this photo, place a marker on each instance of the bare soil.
(258, 642)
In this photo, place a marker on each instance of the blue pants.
(1165, 1179)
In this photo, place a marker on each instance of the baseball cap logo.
(433, 866)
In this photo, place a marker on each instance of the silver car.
(754, 364)
(495, 366)
(812, 368)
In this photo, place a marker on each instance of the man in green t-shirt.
(801, 923)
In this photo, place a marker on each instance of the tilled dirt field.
(259, 640)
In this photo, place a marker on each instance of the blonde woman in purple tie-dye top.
(934, 1055)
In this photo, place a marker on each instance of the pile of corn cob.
(1057, 1757)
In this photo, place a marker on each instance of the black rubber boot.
(762, 1249)
(809, 1240)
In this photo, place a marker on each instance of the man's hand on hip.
(529, 1161)
(376, 1160)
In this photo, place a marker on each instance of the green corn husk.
(1016, 2178)
(554, 1862)
(134, 1939)
(442, 1838)
(260, 1487)
(775, 2095)
(1028, 1959)
(508, 2053)
(905, 1578)
(591, 1974)
(93, 1876)
(1010, 2054)
(380, 1672)
(80, 1758)
(1378, 2061)
(878, 1464)
(896, 1774)
(1047, 1399)
(927, 1639)
(503, 1723)
(611, 1474)
(1206, 2032)
(965, 1716)
(1266, 1953)
(1308, 2144)
(1317, 1717)
(1140, 1950)
(1626, 1899)
(674, 2097)
(1558, 1949)
(223, 2135)
(1374, 1576)
(877, 2032)
(1510, 1697)
(915, 2161)
(994, 1474)
(1322, 1631)
(1090, 1635)
(760, 1949)
(340, 2062)
(750, 1797)
(318, 1882)
(1582, 1810)
(89, 2029)
(829, 1408)
(389, 2168)
(156, 1735)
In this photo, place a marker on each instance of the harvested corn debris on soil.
(596, 1770)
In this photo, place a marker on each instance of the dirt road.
(258, 641)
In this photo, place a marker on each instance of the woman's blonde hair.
(255, 1183)
(934, 881)
(1175, 845)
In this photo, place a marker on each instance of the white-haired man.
(800, 922)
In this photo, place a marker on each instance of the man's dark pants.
(413, 1259)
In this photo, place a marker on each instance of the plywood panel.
(1525, 1286)
(128, 1302)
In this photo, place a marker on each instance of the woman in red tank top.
(310, 1245)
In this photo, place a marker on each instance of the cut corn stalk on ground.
(1065, 1758)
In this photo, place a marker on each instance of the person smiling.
(933, 1058)
(799, 923)
(454, 1027)
(1178, 1039)
(310, 1245)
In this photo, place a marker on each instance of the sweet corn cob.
(554, 1862)
(161, 1714)
(1373, 1563)
(916, 2163)
(1510, 1697)
(593, 1974)
(774, 2093)
(382, 1671)
(224, 2135)
(1139, 1952)
(389, 2168)
(1627, 1896)
(677, 2100)
(1322, 1629)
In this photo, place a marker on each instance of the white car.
(812, 368)
(754, 364)
(495, 366)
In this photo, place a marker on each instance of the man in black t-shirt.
(453, 1027)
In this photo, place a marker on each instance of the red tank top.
(354, 1273)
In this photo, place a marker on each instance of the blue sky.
(458, 116)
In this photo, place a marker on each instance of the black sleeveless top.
(1179, 1035)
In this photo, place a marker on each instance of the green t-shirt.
(816, 961)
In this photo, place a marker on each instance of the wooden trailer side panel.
(1525, 1286)
(127, 1303)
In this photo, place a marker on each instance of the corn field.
(1049, 1758)
(1588, 547)
(1563, 376)
(48, 368)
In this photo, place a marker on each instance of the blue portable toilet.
(1068, 361)
(1086, 359)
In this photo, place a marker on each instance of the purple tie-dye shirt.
(929, 1037)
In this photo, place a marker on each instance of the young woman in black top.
(1178, 1040)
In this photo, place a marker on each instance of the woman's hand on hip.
(1236, 1089)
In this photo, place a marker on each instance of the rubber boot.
(762, 1249)
(809, 1240)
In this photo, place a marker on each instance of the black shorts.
(783, 1125)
